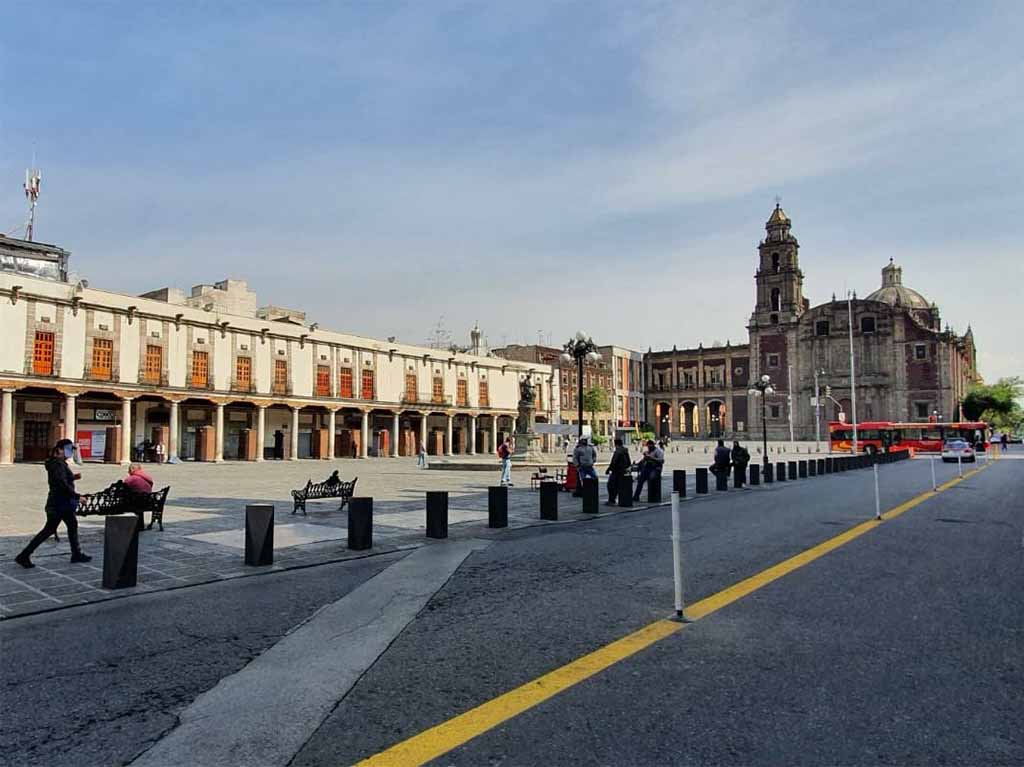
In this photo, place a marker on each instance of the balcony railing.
(427, 399)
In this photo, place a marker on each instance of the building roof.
(894, 293)
(778, 216)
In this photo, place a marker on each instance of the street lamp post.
(762, 389)
(582, 349)
(817, 409)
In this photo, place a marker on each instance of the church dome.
(893, 291)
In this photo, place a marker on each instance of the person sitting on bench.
(137, 480)
(723, 460)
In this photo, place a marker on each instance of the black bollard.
(360, 524)
(679, 482)
(792, 470)
(590, 496)
(780, 471)
(120, 551)
(812, 468)
(437, 513)
(259, 534)
(654, 488)
(739, 474)
(830, 465)
(769, 474)
(497, 506)
(755, 474)
(702, 481)
(625, 490)
(722, 480)
(549, 500)
(801, 468)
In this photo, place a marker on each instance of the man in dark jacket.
(723, 459)
(617, 469)
(61, 502)
(740, 459)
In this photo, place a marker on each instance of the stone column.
(295, 434)
(394, 437)
(332, 423)
(70, 417)
(7, 427)
(218, 434)
(364, 447)
(494, 433)
(261, 430)
(448, 435)
(472, 435)
(172, 436)
(423, 430)
(126, 430)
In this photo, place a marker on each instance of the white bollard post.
(959, 465)
(935, 487)
(677, 555)
(878, 501)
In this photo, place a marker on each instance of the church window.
(775, 319)
(776, 298)
(821, 328)
(867, 324)
(775, 411)
(773, 360)
(920, 352)
(921, 409)
(775, 263)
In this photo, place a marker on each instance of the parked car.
(957, 449)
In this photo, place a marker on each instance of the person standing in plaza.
(583, 458)
(421, 455)
(61, 502)
(505, 454)
(740, 459)
(650, 467)
(1004, 442)
(617, 469)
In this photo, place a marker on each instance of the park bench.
(120, 499)
(332, 487)
(541, 475)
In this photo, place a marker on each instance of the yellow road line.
(438, 740)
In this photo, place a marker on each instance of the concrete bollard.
(769, 474)
(780, 471)
(739, 475)
(625, 490)
(679, 482)
(360, 524)
(801, 469)
(654, 488)
(830, 465)
(259, 534)
(812, 468)
(437, 513)
(120, 551)
(590, 496)
(792, 470)
(722, 480)
(702, 481)
(755, 474)
(497, 506)
(549, 501)
(821, 466)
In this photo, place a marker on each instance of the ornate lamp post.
(762, 389)
(582, 349)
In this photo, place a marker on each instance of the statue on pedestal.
(527, 442)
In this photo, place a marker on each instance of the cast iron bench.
(332, 487)
(120, 499)
(541, 475)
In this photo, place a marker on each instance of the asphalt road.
(903, 647)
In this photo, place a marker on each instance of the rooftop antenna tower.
(33, 178)
(440, 338)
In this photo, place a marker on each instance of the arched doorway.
(689, 419)
(663, 415)
(716, 419)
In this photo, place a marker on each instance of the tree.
(595, 399)
(997, 404)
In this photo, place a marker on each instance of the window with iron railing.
(323, 380)
(410, 387)
(461, 393)
(102, 358)
(280, 377)
(438, 389)
(367, 388)
(42, 354)
(200, 369)
(345, 383)
(154, 364)
(243, 373)
(485, 398)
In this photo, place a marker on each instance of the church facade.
(907, 366)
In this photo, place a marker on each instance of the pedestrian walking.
(650, 467)
(61, 502)
(583, 458)
(1004, 442)
(421, 455)
(505, 454)
(617, 469)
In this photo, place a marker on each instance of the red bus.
(881, 436)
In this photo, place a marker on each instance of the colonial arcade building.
(907, 366)
(208, 376)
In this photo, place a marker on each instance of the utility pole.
(853, 377)
(817, 410)
(789, 399)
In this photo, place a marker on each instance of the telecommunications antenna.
(33, 178)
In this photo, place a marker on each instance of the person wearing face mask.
(60, 504)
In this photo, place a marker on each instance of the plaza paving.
(204, 520)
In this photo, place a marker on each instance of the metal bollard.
(932, 462)
(755, 474)
(780, 471)
(801, 467)
(437, 513)
(830, 465)
(259, 534)
(812, 468)
(821, 466)
(679, 482)
(549, 501)
(792, 470)
(625, 490)
(590, 496)
(878, 502)
(722, 480)
(702, 481)
(677, 555)
(120, 551)
(739, 475)
(654, 488)
(360, 524)
(497, 506)
(769, 474)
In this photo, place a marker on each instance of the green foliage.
(597, 439)
(997, 404)
(595, 400)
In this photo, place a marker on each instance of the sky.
(537, 167)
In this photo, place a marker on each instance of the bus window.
(866, 434)
(910, 434)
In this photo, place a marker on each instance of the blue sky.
(536, 166)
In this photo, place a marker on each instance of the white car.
(957, 449)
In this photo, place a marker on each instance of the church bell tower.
(780, 283)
